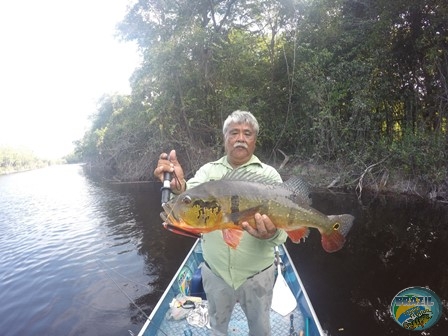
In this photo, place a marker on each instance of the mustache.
(240, 144)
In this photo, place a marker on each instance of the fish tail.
(334, 238)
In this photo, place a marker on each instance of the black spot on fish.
(212, 206)
(235, 204)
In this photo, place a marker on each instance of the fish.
(419, 321)
(224, 204)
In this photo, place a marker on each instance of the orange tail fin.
(333, 242)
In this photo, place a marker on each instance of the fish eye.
(336, 226)
(186, 199)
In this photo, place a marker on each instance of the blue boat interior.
(301, 321)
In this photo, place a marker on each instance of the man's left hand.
(264, 229)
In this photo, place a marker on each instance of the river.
(82, 258)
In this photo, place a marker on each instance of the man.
(244, 274)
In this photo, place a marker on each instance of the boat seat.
(196, 287)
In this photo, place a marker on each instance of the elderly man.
(244, 274)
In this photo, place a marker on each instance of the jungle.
(351, 93)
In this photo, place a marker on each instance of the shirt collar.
(254, 160)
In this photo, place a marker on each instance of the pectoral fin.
(232, 237)
(297, 235)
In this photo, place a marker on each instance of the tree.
(329, 80)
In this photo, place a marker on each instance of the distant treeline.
(361, 85)
(14, 160)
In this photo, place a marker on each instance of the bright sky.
(58, 57)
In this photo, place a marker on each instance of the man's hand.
(265, 229)
(178, 183)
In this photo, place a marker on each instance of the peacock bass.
(224, 204)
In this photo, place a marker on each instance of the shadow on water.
(396, 243)
(163, 251)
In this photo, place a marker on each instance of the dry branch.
(285, 160)
(368, 170)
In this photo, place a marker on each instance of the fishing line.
(123, 276)
(127, 296)
(178, 182)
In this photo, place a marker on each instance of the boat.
(185, 287)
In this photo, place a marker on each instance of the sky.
(58, 57)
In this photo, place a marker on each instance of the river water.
(81, 258)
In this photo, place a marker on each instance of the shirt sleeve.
(201, 176)
(279, 238)
(272, 173)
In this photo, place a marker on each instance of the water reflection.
(163, 251)
(63, 239)
(395, 243)
(74, 254)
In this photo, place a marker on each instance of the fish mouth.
(179, 231)
(165, 218)
(168, 224)
(169, 218)
(173, 224)
(167, 215)
(166, 207)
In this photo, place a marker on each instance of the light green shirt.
(252, 254)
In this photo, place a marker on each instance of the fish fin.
(181, 232)
(297, 235)
(340, 226)
(232, 237)
(300, 190)
(247, 176)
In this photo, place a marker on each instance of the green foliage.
(420, 155)
(328, 80)
(15, 160)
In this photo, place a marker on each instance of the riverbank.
(4, 170)
(376, 179)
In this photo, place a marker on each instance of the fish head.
(192, 212)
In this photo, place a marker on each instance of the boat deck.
(304, 318)
(238, 325)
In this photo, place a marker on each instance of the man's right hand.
(178, 183)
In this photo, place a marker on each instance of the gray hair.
(241, 117)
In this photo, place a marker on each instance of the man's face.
(239, 143)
